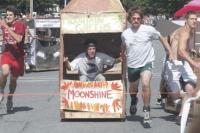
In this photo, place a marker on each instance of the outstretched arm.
(122, 56)
(118, 60)
(167, 47)
(182, 47)
(66, 63)
(123, 51)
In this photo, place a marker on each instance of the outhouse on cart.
(103, 20)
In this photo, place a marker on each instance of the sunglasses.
(136, 18)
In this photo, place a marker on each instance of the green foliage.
(40, 6)
(156, 7)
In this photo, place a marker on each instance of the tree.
(155, 7)
(40, 6)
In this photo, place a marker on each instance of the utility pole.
(31, 9)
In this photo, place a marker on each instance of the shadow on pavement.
(134, 118)
(93, 120)
(19, 109)
(171, 118)
(137, 119)
(158, 108)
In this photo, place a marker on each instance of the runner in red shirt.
(12, 60)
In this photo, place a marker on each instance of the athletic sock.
(134, 99)
(146, 108)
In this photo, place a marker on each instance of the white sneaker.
(147, 119)
(27, 67)
(159, 101)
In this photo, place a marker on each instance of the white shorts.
(176, 70)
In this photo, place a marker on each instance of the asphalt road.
(36, 109)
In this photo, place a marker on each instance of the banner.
(73, 23)
(97, 96)
(47, 23)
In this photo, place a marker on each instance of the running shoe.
(9, 106)
(159, 101)
(147, 118)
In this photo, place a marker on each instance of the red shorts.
(16, 64)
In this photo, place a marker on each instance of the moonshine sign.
(98, 96)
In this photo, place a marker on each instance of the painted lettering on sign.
(87, 23)
(99, 96)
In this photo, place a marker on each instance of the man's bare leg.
(189, 88)
(146, 95)
(133, 93)
(161, 86)
(145, 79)
(12, 88)
(3, 80)
(189, 93)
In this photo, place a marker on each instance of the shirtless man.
(181, 67)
